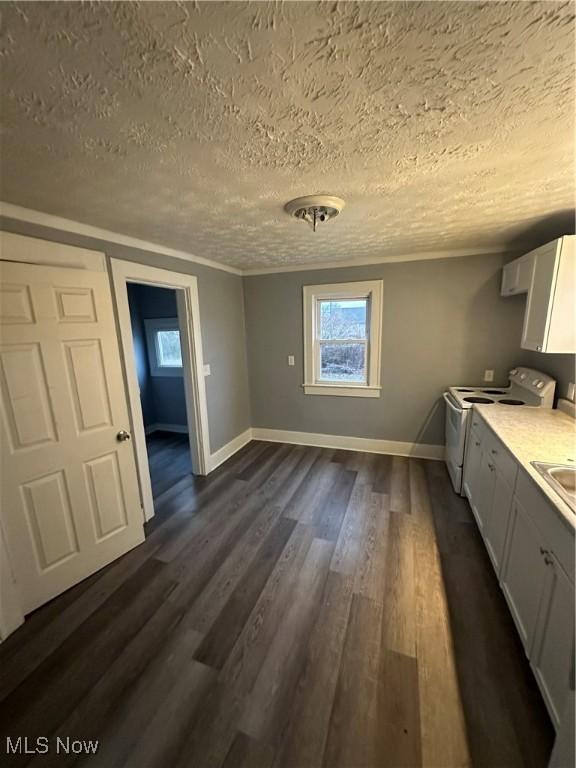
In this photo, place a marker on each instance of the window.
(342, 332)
(163, 342)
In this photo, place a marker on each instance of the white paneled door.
(70, 500)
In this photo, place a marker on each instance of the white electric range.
(527, 387)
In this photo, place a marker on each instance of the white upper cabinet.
(517, 276)
(548, 276)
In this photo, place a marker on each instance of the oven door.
(455, 438)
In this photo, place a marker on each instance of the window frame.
(153, 326)
(312, 296)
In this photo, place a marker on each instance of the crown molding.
(391, 259)
(75, 227)
(86, 230)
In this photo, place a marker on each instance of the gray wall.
(162, 397)
(223, 327)
(444, 323)
(560, 367)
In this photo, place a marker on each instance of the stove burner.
(479, 400)
(464, 390)
(494, 391)
(508, 401)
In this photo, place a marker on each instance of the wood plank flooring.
(298, 608)
(168, 458)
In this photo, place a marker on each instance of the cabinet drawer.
(557, 535)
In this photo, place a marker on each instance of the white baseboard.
(368, 445)
(228, 450)
(159, 427)
(415, 450)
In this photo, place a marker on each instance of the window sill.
(166, 371)
(341, 390)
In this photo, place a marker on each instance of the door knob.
(122, 435)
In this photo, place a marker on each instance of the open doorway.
(158, 360)
(159, 322)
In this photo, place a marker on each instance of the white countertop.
(536, 434)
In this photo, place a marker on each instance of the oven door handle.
(450, 404)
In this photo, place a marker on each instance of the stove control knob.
(535, 382)
(540, 385)
(514, 371)
(522, 376)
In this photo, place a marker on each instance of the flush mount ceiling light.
(315, 209)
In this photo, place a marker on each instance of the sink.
(560, 477)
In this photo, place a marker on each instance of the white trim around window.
(312, 296)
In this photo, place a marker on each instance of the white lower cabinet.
(487, 478)
(524, 574)
(532, 550)
(472, 468)
(497, 528)
(552, 656)
(485, 489)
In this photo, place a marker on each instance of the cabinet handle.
(494, 452)
(477, 442)
(492, 467)
(546, 554)
(538, 348)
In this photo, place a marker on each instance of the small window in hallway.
(163, 341)
(168, 349)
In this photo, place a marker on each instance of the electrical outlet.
(207, 369)
(488, 375)
(290, 359)
(570, 391)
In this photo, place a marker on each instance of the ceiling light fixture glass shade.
(315, 209)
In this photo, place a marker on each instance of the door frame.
(186, 286)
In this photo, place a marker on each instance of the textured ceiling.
(444, 125)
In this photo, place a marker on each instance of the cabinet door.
(510, 274)
(485, 490)
(540, 296)
(524, 574)
(525, 273)
(562, 329)
(517, 276)
(497, 526)
(472, 468)
(554, 646)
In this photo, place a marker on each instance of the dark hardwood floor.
(168, 459)
(297, 608)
